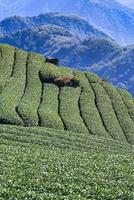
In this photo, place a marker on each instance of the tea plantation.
(62, 143)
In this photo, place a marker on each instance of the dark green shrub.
(49, 72)
(75, 82)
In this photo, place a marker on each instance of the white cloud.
(129, 3)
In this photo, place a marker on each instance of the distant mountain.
(76, 25)
(64, 36)
(109, 16)
(118, 68)
(54, 41)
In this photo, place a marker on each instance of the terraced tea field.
(62, 143)
(94, 107)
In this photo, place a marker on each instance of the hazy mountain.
(109, 16)
(118, 68)
(65, 36)
(76, 25)
(55, 41)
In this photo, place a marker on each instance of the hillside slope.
(29, 97)
(41, 163)
(62, 142)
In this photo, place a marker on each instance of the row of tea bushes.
(6, 64)
(69, 109)
(107, 112)
(88, 107)
(48, 110)
(122, 114)
(29, 104)
(128, 101)
(13, 91)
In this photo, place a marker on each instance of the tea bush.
(6, 64)
(124, 119)
(128, 101)
(88, 108)
(107, 113)
(29, 104)
(13, 91)
(48, 110)
(69, 109)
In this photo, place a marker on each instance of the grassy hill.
(62, 142)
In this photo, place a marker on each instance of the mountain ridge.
(76, 25)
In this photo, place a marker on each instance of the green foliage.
(13, 90)
(52, 71)
(65, 71)
(49, 71)
(48, 110)
(69, 109)
(128, 101)
(124, 119)
(10, 134)
(6, 64)
(51, 163)
(107, 112)
(28, 106)
(88, 108)
(40, 163)
(93, 78)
